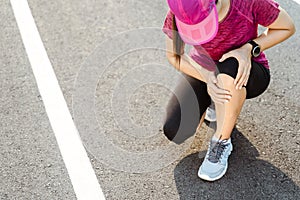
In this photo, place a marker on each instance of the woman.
(227, 65)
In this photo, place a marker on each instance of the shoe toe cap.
(210, 170)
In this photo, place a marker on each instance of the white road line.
(78, 165)
(297, 1)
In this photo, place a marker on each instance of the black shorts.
(190, 100)
(259, 77)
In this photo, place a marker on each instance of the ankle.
(217, 136)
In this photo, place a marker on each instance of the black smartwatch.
(255, 52)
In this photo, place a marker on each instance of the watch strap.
(254, 44)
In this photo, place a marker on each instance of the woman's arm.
(281, 29)
(186, 64)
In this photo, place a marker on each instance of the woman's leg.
(215, 163)
(185, 109)
(228, 113)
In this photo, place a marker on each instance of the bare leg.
(228, 113)
(201, 121)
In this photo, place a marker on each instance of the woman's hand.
(217, 94)
(243, 55)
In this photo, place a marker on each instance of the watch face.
(256, 51)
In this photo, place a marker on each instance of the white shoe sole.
(207, 178)
(210, 119)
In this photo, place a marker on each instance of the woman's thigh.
(259, 80)
(259, 77)
(185, 109)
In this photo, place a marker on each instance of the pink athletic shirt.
(238, 27)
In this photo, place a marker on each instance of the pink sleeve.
(265, 12)
(168, 24)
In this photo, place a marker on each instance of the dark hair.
(177, 41)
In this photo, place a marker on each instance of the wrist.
(255, 50)
(208, 74)
(247, 47)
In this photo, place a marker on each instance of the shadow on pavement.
(247, 177)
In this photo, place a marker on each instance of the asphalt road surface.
(119, 44)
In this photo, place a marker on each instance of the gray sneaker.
(210, 114)
(215, 162)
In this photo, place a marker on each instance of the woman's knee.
(170, 130)
(227, 71)
(225, 81)
(229, 67)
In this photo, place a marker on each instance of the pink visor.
(196, 20)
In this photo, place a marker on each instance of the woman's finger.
(249, 70)
(225, 56)
(239, 75)
(244, 77)
(246, 80)
(221, 99)
(220, 94)
(217, 99)
(219, 91)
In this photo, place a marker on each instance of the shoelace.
(216, 151)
